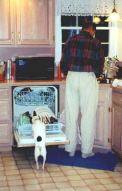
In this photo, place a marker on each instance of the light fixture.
(114, 16)
(96, 20)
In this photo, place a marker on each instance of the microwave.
(34, 68)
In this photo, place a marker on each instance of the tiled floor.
(18, 173)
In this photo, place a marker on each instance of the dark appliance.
(34, 68)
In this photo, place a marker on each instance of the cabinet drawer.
(117, 98)
(103, 95)
(4, 110)
(4, 93)
(5, 133)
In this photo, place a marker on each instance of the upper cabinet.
(35, 22)
(29, 22)
(7, 22)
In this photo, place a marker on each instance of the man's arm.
(64, 60)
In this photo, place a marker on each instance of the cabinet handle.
(12, 36)
(19, 36)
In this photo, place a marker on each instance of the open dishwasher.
(43, 100)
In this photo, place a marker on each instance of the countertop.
(40, 82)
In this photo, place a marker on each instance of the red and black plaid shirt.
(82, 53)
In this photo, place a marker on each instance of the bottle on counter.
(105, 74)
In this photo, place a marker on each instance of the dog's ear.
(34, 113)
(31, 120)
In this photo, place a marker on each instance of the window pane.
(105, 47)
(102, 22)
(68, 33)
(83, 19)
(102, 35)
(68, 21)
(62, 47)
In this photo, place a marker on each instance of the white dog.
(39, 133)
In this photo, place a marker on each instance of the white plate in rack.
(43, 111)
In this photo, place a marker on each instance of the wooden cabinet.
(35, 22)
(117, 120)
(27, 22)
(5, 119)
(103, 118)
(7, 22)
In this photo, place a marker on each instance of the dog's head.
(35, 117)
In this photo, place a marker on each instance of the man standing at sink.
(82, 61)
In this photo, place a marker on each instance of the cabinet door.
(4, 110)
(35, 22)
(6, 22)
(5, 133)
(117, 129)
(102, 125)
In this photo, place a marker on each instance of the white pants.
(81, 93)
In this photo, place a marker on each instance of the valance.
(88, 7)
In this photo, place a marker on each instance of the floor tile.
(15, 183)
(4, 189)
(60, 179)
(76, 183)
(83, 188)
(97, 188)
(74, 177)
(14, 177)
(101, 175)
(18, 188)
(118, 179)
(48, 186)
(83, 171)
(63, 184)
(45, 180)
(53, 174)
(30, 181)
(67, 189)
(112, 186)
(106, 181)
(92, 182)
(3, 183)
(70, 172)
(32, 187)
(12, 172)
(87, 176)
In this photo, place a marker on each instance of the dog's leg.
(36, 159)
(43, 163)
(44, 159)
(37, 165)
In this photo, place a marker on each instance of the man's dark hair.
(88, 25)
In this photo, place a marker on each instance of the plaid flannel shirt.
(82, 53)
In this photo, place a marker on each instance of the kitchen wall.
(119, 40)
(7, 52)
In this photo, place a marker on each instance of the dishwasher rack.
(28, 96)
(26, 129)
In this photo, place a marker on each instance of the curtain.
(88, 7)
